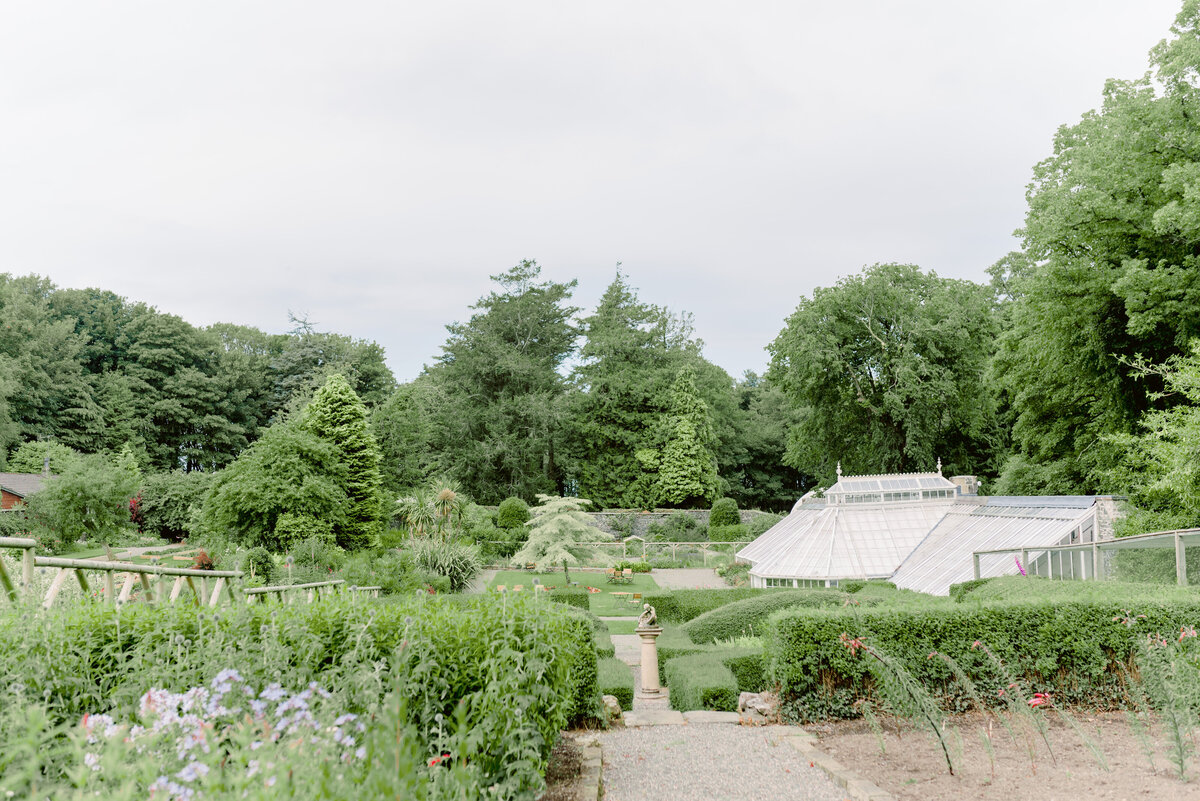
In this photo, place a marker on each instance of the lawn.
(602, 603)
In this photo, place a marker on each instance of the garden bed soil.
(563, 772)
(913, 766)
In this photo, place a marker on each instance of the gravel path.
(709, 762)
(691, 578)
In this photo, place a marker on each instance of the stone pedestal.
(650, 685)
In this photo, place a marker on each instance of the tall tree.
(403, 427)
(557, 531)
(754, 468)
(683, 467)
(885, 371)
(338, 416)
(499, 432)
(1108, 273)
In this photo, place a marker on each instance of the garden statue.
(648, 618)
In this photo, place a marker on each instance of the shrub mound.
(747, 617)
(724, 513)
(680, 606)
(575, 596)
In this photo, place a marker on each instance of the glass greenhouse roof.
(983, 524)
(894, 482)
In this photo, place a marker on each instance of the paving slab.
(708, 716)
(653, 717)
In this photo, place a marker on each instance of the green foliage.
(318, 552)
(885, 370)
(856, 586)
(88, 501)
(1107, 272)
(456, 561)
(678, 527)
(616, 679)
(402, 426)
(338, 416)
(289, 470)
(959, 592)
(680, 606)
(734, 533)
(575, 596)
(759, 524)
(169, 501)
(459, 665)
(257, 563)
(30, 457)
(749, 616)
(724, 513)
(684, 466)
(1069, 648)
(513, 513)
(497, 426)
(557, 524)
(701, 682)
(291, 529)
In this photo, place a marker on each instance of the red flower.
(1039, 699)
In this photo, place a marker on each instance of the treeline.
(1070, 372)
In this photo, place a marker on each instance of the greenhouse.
(918, 530)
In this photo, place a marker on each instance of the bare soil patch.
(913, 767)
(563, 772)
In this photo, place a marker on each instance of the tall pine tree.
(338, 416)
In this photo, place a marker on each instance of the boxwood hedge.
(680, 606)
(701, 681)
(616, 679)
(1070, 648)
(575, 596)
(748, 616)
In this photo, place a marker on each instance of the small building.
(918, 530)
(16, 487)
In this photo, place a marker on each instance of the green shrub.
(701, 681)
(1019, 588)
(748, 616)
(724, 513)
(512, 513)
(167, 502)
(961, 590)
(456, 561)
(748, 666)
(459, 664)
(731, 533)
(393, 538)
(680, 606)
(679, 527)
(640, 567)
(575, 596)
(318, 552)
(858, 585)
(602, 642)
(1069, 648)
(616, 679)
(258, 563)
(759, 524)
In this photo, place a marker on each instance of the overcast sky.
(370, 164)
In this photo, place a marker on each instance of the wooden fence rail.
(204, 587)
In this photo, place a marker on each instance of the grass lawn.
(621, 626)
(601, 603)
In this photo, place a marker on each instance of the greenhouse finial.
(939, 465)
(839, 469)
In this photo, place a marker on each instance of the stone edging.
(857, 788)
(591, 757)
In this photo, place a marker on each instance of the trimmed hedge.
(701, 681)
(680, 606)
(724, 513)
(748, 667)
(616, 679)
(603, 644)
(749, 616)
(1069, 648)
(575, 596)
(856, 585)
(961, 590)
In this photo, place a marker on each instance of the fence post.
(1095, 560)
(110, 587)
(27, 569)
(975, 560)
(1180, 562)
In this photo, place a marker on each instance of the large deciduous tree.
(338, 416)
(1109, 272)
(885, 370)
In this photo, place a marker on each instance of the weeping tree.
(559, 526)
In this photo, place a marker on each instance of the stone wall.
(607, 519)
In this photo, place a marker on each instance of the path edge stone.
(855, 786)
(590, 777)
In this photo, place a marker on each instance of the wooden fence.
(150, 582)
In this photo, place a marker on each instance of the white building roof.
(854, 540)
(991, 523)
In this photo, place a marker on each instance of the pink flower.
(1039, 699)
(1018, 561)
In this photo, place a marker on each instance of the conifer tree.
(687, 467)
(338, 416)
(557, 525)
